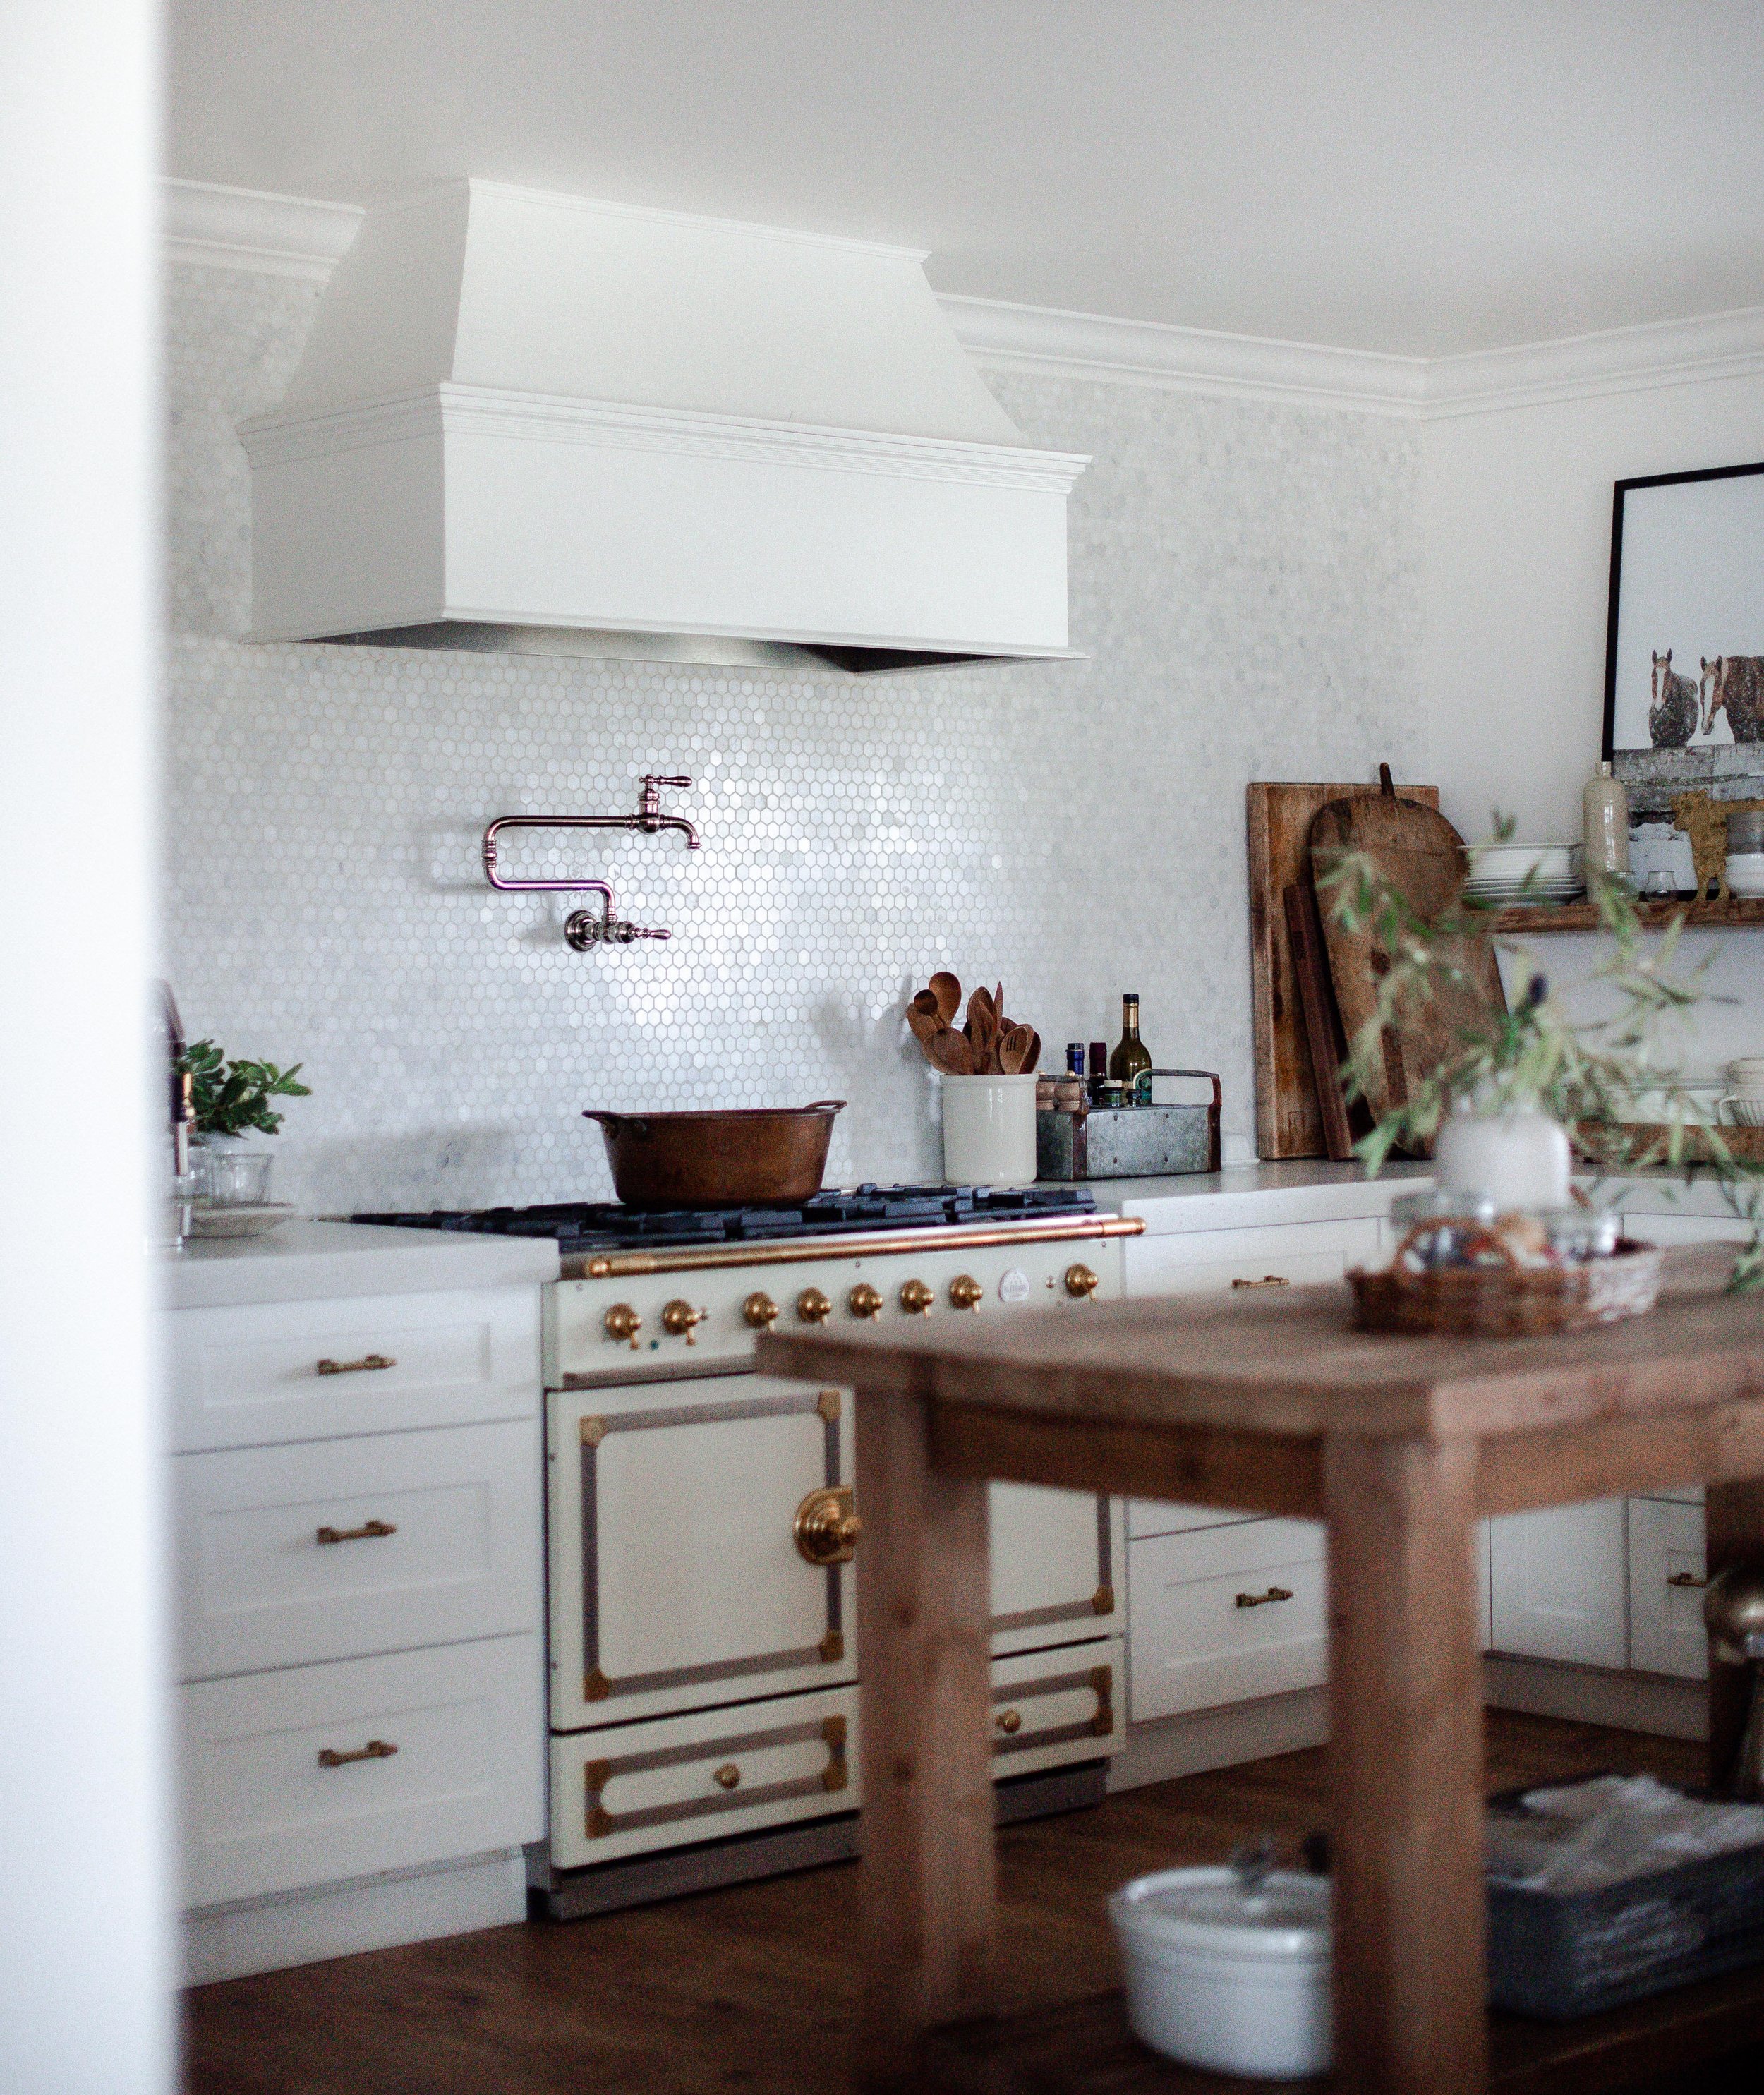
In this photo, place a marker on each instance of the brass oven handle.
(368, 1364)
(1262, 1600)
(375, 1749)
(1267, 1280)
(1687, 1578)
(826, 1527)
(369, 1530)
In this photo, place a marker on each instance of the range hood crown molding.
(610, 422)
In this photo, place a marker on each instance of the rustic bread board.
(1421, 857)
(1288, 1120)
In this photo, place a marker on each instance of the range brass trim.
(593, 1431)
(832, 1648)
(827, 1404)
(1102, 1600)
(599, 1822)
(827, 1526)
(595, 1686)
(793, 1251)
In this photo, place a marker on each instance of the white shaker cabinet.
(357, 1533)
(1556, 1583)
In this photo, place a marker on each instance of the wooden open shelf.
(1731, 916)
(1087, 2048)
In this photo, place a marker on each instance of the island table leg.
(929, 1871)
(1406, 1768)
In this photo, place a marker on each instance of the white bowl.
(1745, 872)
(1513, 861)
(1233, 1981)
(1747, 1113)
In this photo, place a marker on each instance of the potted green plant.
(231, 1101)
(1516, 1086)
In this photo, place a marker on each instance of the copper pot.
(748, 1158)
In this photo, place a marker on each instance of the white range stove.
(703, 1537)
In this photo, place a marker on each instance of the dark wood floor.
(755, 1988)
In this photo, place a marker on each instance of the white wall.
(84, 1963)
(1516, 518)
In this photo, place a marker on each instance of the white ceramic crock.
(988, 1130)
(1519, 1159)
(1232, 1980)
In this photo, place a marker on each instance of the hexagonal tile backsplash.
(1244, 581)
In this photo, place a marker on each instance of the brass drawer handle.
(1010, 1721)
(1262, 1600)
(369, 1530)
(1687, 1578)
(728, 1776)
(1267, 1280)
(368, 1364)
(375, 1749)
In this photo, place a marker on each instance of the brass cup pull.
(863, 1301)
(622, 1322)
(1262, 1600)
(682, 1320)
(760, 1310)
(966, 1292)
(728, 1776)
(375, 1749)
(916, 1298)
(1081, 1283)
(827, 1526)
(1010, 1721)
(1267, 1280)
(368, 1364)
(1687, 1578)
(812, 1307)
(369, 1530)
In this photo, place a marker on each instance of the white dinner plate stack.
(1505, 874)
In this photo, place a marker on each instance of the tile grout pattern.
(1245, 581)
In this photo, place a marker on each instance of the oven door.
(677, 1581)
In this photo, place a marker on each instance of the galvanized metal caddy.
(1131, 1142)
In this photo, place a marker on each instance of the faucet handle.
(650, 779)
(624, 933)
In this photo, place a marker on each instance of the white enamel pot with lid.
(1228, 1972)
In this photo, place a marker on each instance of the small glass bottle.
(1604, 826)
(1131, 1061)
(1074, 1058)
(1099, 1070)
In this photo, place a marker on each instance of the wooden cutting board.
(1288, 1123)
(1422, 856)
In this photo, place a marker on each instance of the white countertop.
(1249, 1195)
(314, 1261)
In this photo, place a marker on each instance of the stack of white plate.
(1507, 873)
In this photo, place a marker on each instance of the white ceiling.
(1418, 177)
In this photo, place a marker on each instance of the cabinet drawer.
(1051, 1708)
(262, 1813)
(1666, 1574)
(1153, 1516)
(247, 1376)
(274, 1569)
(633, 1789)
(1224, 1614)
(1201, 1260)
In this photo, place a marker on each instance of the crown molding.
(211, 225)
(275, 236)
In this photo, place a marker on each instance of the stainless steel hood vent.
(532, 423)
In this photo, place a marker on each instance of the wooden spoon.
(1014, 1045)
(1033, 1060)
(924, 1023)
(982, 1024)
(947, 991)
(948, 1050)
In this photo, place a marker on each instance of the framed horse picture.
(1684, 646)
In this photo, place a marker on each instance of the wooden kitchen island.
(1266, 1405)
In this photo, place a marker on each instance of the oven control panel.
(642, 1327)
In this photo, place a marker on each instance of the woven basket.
(1509, 1301)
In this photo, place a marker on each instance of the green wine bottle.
(1131, 1061)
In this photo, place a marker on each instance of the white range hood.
(540, 424)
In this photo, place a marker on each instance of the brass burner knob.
(1010, 1720)
(813, 1307)
(681, 1319)
(966, 1292)
(622, 1322)
(916, 1298)
(826, 1527)
(760, 1309)
(863, 1301)
(1081, 1282)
